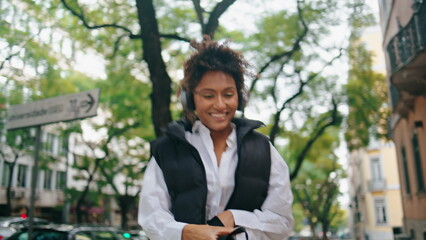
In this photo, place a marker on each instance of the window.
(39, 184)
(60, 180)
(405, 169)
(50, 143)
(380, 210)
(61, 146)
(47, 184)
(104, 235)
(376, 169)
(22, 176)
(83, 236)
(5, 173)
(41, 235)
(418, 163)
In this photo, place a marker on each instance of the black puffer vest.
(185, 176)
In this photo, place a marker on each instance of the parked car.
(18, 222)
(9, 225)
(135, 235)
(5, 232)
(71, 232)
(299, 237)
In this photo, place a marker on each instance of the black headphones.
(187, 99)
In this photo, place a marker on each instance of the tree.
(108, 158)
(129, 130)
(144, 43)
(287, 79)
(18, 143)
(318, 199)
(118, 155)
(33, 65)
(286, 33)
(366, 89)
(317, 189)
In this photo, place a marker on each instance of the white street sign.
(56, 109)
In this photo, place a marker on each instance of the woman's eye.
(208, 96)
(230, 94)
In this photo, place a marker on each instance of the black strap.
(236, 231)
(216, 222)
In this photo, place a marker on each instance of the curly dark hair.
(212, 56)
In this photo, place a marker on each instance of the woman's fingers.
(204, 232)
(227, 218)
(224, 231)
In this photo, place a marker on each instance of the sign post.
(57, 109)
(51, 110)
(34, 180)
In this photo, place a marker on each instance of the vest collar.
(177, 129)
(244, 126)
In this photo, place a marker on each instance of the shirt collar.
(196, 126)
(230, 141)
(232, 138)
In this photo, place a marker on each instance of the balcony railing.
(375, 185)
(409, 41)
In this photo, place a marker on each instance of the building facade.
(16, 167)
(374, 188)
(57, 176)
(375, 192)
(403, 25)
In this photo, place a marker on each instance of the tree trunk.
(324, 230)
(80, 203)
(82, 197)
(213, 22)
(161, 82)
(8, 210)
(126, 203)
(312, 226)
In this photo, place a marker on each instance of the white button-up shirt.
(273, 221)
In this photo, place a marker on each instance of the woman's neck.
(221, 134)
(219, 142)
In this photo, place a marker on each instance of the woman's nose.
(220, 102)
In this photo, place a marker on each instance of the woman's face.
(216, 100)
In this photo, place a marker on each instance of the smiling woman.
(212, 176)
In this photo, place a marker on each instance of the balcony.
(376, 185)
(406, 45)
(407, 58)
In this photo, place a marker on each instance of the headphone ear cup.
(242, 100)
(187, 100)
(190, 101)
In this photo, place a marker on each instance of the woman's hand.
(204, 232)
(227, 218)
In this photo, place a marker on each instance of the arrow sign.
(57, 109)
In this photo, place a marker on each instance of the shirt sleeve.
(274, 221)
(154, 214)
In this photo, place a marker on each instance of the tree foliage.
(366, 89)
(18, 143)
(317, 189)
(142, 45)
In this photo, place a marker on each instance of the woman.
(211, 172)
